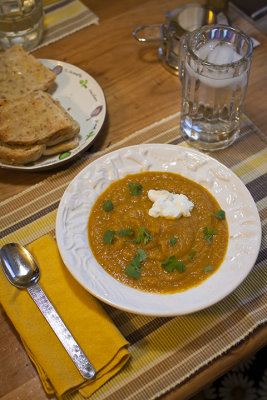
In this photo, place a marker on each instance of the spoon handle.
(62, 332)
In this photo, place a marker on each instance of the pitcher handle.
(151, 33)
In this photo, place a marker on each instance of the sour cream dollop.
(169, 205)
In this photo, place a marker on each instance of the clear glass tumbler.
(214, 69)
(21, 22)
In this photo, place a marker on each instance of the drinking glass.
(21, 22)
(214, 69)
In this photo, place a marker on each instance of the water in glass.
(21, 22)
(214, 71)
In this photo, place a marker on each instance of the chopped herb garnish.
(208, 268)
(220, 214)
(133, 269)
(126, 232)
(143, 237)
(208, 234)
(108, 237)
(173, 240)
(191, 255)
(135, 188)
(171, 264)
(108, 205)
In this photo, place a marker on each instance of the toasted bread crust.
(71, 133)
(21, 73)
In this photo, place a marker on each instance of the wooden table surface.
(139, 91)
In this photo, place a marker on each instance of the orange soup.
(157, 254)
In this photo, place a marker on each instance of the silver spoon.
(22, 271)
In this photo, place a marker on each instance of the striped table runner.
(164, 351)
(64, 17)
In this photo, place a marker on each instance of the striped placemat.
(164, 351)
(64, 17)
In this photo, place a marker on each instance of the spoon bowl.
(19, 266)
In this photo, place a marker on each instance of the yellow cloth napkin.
(100, 340)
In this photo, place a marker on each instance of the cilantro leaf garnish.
(141, 255)
(208, 268)
(173, 240)
(220, 214)
(133, 269)
(191, 255)
(170, 264)
(135, 188)
(108, 237)
(208, 234)
(108, 205)
(126, 232)
(143, 237)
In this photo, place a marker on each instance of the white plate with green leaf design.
(84, 100)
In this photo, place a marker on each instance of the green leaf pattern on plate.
(90, 134)
(64, 155)
(83, 83)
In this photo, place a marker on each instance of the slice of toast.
(69, 134)
(33, 119)
(21, 155)
(61, 147)
(21, 73)
(18, 155)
